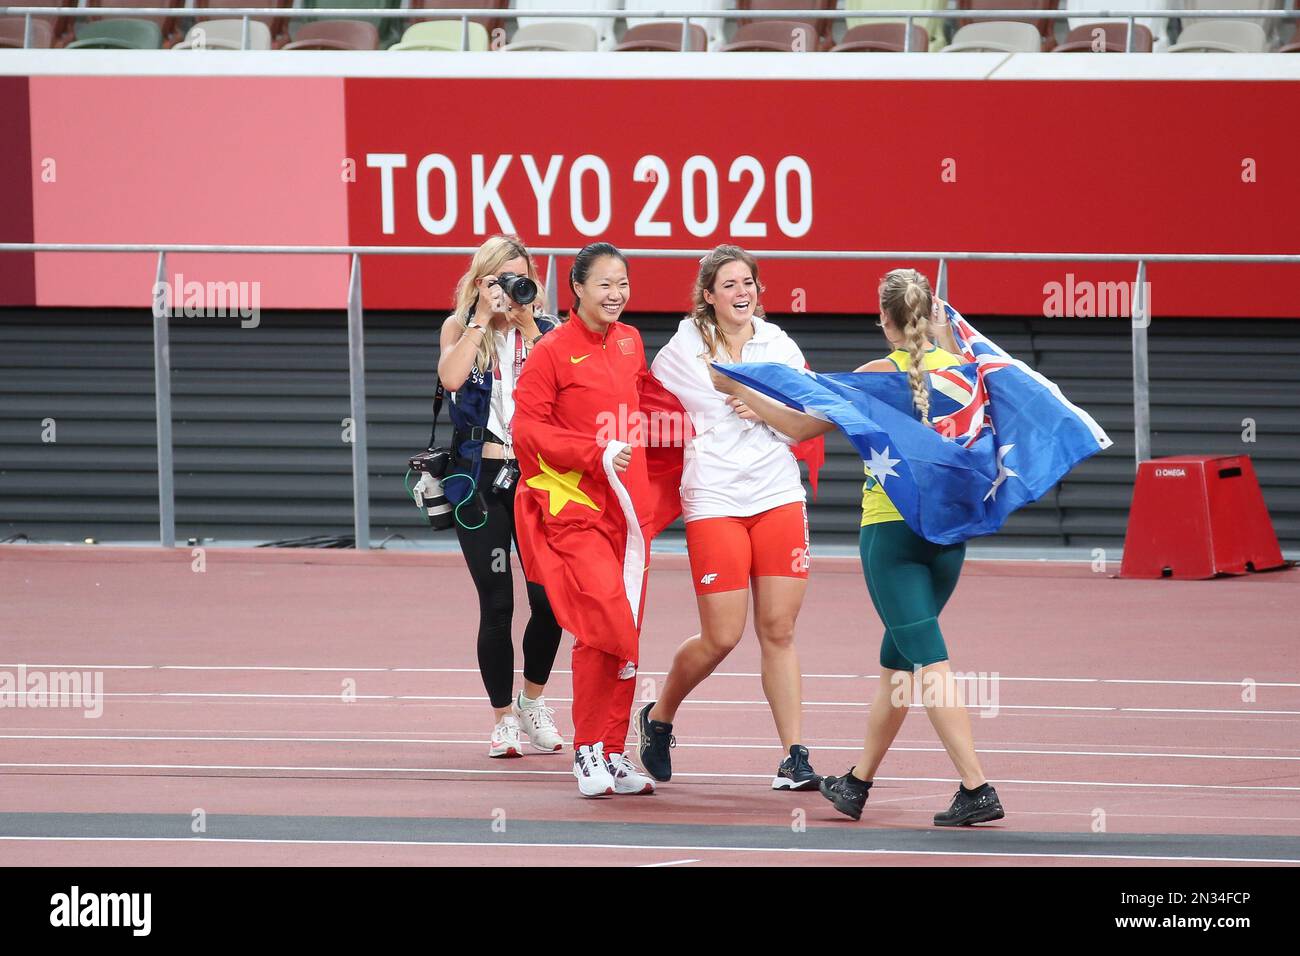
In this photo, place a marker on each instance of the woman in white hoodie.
(744, 506)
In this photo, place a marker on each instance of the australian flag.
(1001, 435)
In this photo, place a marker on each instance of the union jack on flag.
(1001, 435)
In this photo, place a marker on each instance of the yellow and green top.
(876, 506)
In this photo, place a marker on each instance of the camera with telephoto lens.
(429, 497)
(521, 289)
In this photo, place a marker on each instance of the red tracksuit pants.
(602, 704)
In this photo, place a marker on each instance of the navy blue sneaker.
(654, 741)
(795, 772)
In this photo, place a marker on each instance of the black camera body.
(432, 467)
(521, 289)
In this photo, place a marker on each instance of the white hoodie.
(733, 467)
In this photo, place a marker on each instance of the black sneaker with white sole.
(980, 805)
(848, 793)
(795, 772)
(654, 741)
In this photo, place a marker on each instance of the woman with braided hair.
(909, 578)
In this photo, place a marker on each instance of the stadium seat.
(488, 23)
(885, 37)
(1269, 26)
(821, 29)
(564, 39)
(1046, 28)
(389, 29)
(168, 26)
(1114, 37)
(279, 26)
(121, 33)
(1221, 36)
(933, 25)
(60, 27)
(12, 30)
(713, 26)
(666, 35)
(1159, 26)
(336, 35)
(565, 36)
(996, 36)
(442, 35)
(225, 35)
(772, 36)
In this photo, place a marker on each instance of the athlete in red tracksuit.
(586, 506)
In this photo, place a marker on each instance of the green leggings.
(910, 580)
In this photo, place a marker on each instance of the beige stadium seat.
(444, 35)
(602, 27)
(996, 36)
(1221, 36)
(1046, 27)
(1270, 26)
(560, 35)
(279, 26)
(225, 35)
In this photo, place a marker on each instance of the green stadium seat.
(122, 33)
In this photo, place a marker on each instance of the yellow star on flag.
(562, 487)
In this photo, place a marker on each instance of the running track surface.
(1136, 723)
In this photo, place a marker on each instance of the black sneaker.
(654, 740)
(848, 793)
(795, 773)
(980, 805)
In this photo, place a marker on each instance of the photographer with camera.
(485, 343)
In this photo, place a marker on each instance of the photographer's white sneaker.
(538, 723)
(505, 738)
(592, 771)
(628, 777)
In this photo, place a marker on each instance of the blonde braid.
(905, 296)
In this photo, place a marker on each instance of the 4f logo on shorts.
(708, 579)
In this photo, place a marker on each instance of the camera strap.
(437, 410)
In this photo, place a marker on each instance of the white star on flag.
(1003, 472)
(881, 465)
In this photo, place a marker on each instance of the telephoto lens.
(429, 497)
(520, 288)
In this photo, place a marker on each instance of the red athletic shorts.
(726, 552)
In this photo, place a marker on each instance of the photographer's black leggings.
(487, 553)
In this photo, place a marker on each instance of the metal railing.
(1140, 312)
(465, 15)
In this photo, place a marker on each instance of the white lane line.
(652, 846)
(477, 698)
(569, 773)
(651, 866)
(476, 742)
(474, 670)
